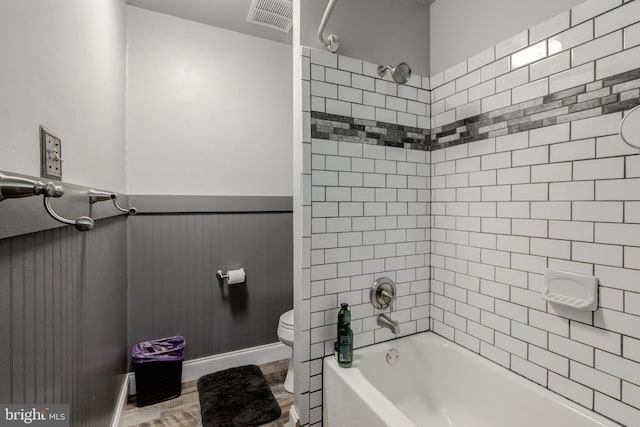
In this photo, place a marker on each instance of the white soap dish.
(571, 289)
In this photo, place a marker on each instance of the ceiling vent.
(276, 14)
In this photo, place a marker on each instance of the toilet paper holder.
(221, 275)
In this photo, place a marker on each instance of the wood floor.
(184, 411)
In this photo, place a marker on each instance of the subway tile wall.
(529, 173)
(366, 206)
(524, 171)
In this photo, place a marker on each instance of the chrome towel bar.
(12, 187)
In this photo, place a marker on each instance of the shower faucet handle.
(386, 295)
(383, 292)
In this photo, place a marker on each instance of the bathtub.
(437, 383)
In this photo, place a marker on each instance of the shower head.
(400, 74)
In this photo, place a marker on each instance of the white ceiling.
(228, 14)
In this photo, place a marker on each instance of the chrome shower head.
(400, 74)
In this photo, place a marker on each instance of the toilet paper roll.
(236, 276)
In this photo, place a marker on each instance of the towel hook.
(13, 187)
(101, 196)
(131, 210)
(83, 223)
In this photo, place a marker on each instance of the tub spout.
(386, 322)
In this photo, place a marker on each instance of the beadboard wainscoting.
(176, 245)
(63, 319)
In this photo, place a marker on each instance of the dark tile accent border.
(609, 95)
(349, 129)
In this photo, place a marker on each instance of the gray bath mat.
(236, 397)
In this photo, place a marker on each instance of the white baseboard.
(194, 369)
(294, 418)
(121, 404)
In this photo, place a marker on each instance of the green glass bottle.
(345, 337)
(344, 315)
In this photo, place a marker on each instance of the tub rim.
(358, 384)
(356, 375)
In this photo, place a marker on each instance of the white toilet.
(285, 335)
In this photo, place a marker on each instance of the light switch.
(50, 154)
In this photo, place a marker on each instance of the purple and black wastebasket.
(158, 368)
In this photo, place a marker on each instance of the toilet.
(285, 335)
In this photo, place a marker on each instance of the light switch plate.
(50, 154)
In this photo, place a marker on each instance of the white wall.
(462, 28)
(379, 31)
(209, 111)
(63, 66)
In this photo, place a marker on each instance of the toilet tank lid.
(287, 318)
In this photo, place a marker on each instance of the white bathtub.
(436, 383)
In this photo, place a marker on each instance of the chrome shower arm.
(332, 42)
(400, 74)
(382, 69)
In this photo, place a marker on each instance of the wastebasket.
(158, 369)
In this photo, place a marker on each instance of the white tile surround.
(468, 230)
(365, 212)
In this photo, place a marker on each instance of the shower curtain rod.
(332, 42)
